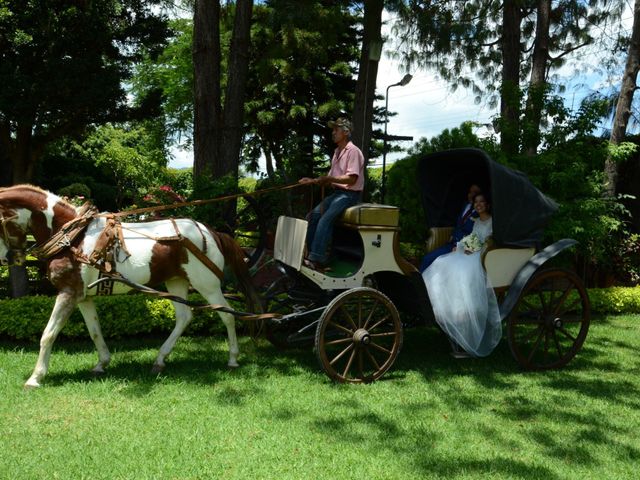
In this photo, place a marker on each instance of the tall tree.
(538, 79)
(367, 75)
(63, 65)
(218, 132)
(206, 67)
(494, 46)
(233, 116)
(623, 107)
(510, 85)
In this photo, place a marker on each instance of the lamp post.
(406, 79)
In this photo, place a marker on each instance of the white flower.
(471, 243)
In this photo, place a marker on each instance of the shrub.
(127, 315)
(123, 315)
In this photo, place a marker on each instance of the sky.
(426, 106)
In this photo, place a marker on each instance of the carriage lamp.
(406, 79)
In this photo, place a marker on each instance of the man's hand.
(307, 180)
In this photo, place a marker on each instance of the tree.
(218, 132)
(623, 107)
(367, 75)
(494, 46)
(206, 67)
(63, 65)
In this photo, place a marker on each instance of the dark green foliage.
(64, 66)
(75, 190)
(124, 315)
(570, 171)
(116, 163)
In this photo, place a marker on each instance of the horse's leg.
(213, 293)
(178, 287)
(88, 310)
(65, 303)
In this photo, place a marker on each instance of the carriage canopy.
(520, 211)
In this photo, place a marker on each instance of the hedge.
(120, 315)
(125, 315)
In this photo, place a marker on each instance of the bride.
(462, 298)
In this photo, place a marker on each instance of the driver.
(346, 177)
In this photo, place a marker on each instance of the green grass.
(279, 417)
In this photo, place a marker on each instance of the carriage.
(351, 313)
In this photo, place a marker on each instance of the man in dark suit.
(463, 227)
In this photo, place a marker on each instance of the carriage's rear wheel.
(549, 324)
(358, 336)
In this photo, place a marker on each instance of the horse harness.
(16, 256)
(111, 243)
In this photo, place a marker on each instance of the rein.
(172, 206)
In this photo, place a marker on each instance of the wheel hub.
(362, 336)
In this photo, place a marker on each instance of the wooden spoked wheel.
(358, 336)
(550, 321)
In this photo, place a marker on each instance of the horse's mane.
(235, 258)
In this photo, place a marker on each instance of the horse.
(149, 253)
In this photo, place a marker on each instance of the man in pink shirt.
(346, 176)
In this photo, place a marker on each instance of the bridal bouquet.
(471, 243)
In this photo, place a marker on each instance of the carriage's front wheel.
(358, 336)
(550, 321)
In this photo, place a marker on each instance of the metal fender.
(526, 272)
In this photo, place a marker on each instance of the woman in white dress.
(462, 298)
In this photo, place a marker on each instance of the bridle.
(15, 256)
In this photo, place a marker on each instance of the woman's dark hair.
(486, 199)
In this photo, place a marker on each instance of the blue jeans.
(320, 229)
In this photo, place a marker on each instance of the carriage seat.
(503, 264)
(371, 214)
(438, 236)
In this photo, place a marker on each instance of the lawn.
(279, 417)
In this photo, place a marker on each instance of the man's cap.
(342, 123)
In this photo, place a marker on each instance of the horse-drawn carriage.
(351, 312)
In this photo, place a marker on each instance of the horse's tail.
(235, 258)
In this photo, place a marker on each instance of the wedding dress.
(462, 298)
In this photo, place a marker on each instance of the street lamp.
(406, 79)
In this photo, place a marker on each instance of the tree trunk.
(623, 107)
(367, 75)
(232, 131)
(6, 167)
(537, 83)
(510, 89)
(18, 281)
(206, 65)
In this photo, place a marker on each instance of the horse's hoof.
(31, 385)
(156, 369)
(233, 366)
(97, 372)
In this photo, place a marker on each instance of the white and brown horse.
(143, 259)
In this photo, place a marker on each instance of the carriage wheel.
(550, 322)
(358, 336)
(277, 301)
(251, 229)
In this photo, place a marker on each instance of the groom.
(463, 227)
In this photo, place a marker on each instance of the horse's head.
(13, 240)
